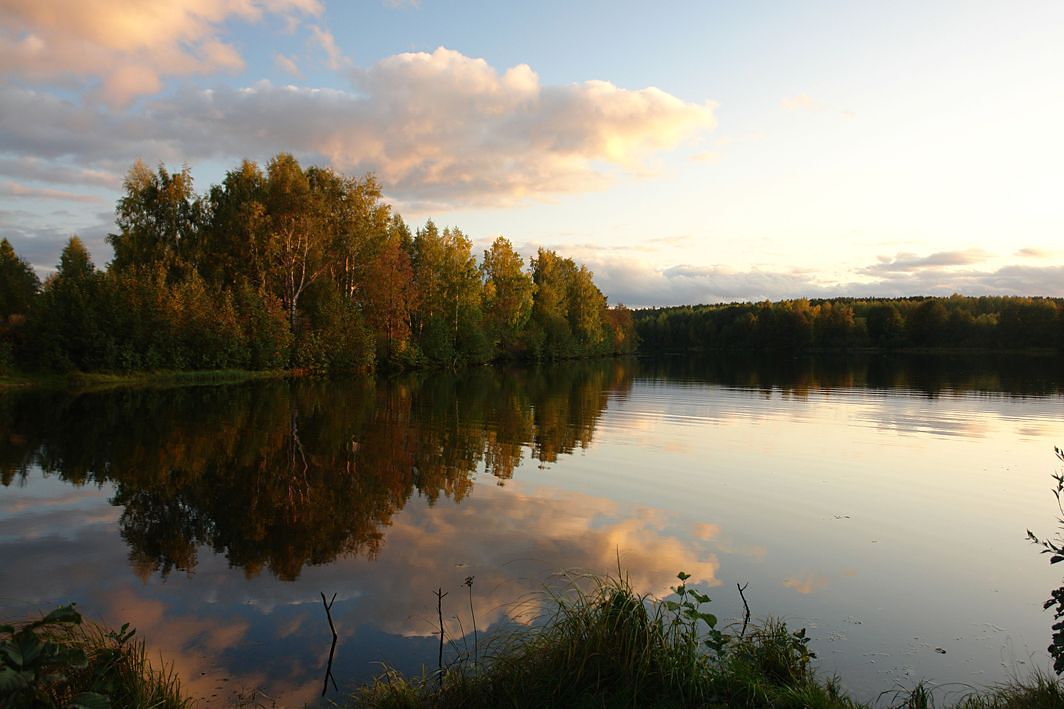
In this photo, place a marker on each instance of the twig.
(332, 650)
(746, 608)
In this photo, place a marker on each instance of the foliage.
(1055, 549)
(57, 661)
(840, 324)
(293, 266)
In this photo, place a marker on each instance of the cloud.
(907, 262)
(128, 47)
(438, 129)
(15, 189)
(287, 64)
(30, 168)
(1031, 252)
(807, 583)
(334, 58)
(632, 280)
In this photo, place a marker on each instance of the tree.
(65, 331)
(296, 242)
(508, 294)
(233, 248)
(159, 219)
(550, 309)
(448, 284)
(18, 283)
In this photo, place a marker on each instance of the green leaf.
(683, 576)
(700, 597)
(709, 618)
(7, 629)
(63, 614)
(91, 700)
(12, 680)
(672, 605)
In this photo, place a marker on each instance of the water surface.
(881, 503)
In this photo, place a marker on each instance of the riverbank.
(604, 645)
(106, 380)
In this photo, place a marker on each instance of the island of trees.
(917, 323)
(292, 267)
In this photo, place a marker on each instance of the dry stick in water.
(746, 607)
(332, 650)
(439, 611)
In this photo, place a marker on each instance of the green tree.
(159, 220)
(19, 285)
(449, 295)
(508, 294)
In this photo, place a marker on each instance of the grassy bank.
(603, 646)
(610, 647)
(102, 380)
(60, 661)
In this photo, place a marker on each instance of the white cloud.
(440, 129)
(637, 283)
(130, 46)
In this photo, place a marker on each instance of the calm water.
(882, 504)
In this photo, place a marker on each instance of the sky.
(686, 152)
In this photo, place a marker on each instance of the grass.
(607, 646)
(60, 661)
(602, 645)
(108, 380)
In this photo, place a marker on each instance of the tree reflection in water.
(281, 475)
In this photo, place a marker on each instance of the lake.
(882, 503)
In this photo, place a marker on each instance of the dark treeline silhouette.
(282, 474)
(293, 267)
(989, 322)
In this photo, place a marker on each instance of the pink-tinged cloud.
(439, 129)
(807, 583)
(15, 189)
(128, 47)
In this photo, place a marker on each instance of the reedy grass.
(605, 645)
(114, 667)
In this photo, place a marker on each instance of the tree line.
(293, 267)
(988, 322)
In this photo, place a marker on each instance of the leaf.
(91, 700)
(63, 614)
(12, 680)
(709, 618)
(683, 576)
(1055, 559)
(700, 597)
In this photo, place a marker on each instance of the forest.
(292, 267)
(916, 323)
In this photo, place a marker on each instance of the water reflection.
(259, 496)
(930, 375)
(285, 474)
